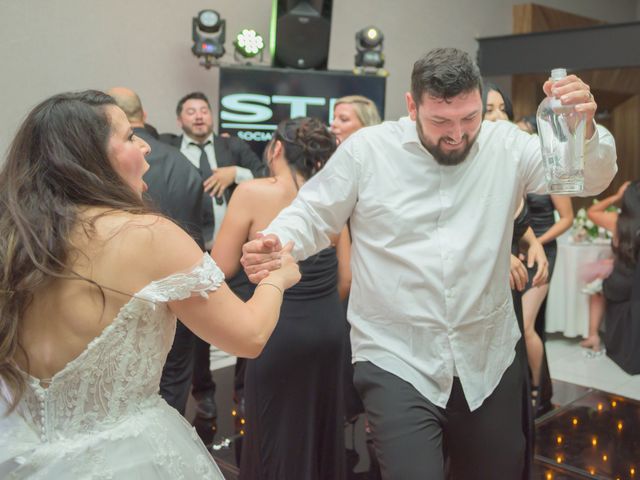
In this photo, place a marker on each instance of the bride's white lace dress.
(101, 417)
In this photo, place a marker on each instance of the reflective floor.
(589, 435)
(595, 436)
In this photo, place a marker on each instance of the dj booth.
(253, 100)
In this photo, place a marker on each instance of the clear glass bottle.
(562, 137)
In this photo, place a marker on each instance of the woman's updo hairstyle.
(307, 144)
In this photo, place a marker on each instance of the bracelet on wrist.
(273, 285)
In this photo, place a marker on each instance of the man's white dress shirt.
(430, 292)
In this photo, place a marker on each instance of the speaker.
(302, 31)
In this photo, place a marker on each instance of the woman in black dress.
(294, 390)
(546, 229)
(524, 240)
(621, 290)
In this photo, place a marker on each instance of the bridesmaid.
(294, 390)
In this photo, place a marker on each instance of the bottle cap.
(558, 73)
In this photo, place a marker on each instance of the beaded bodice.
(118, 373)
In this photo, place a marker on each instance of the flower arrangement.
(585, 230)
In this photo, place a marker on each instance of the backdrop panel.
(253, 100)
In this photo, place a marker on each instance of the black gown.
(294, 389)
(541, 219)
(520, 225)
(622, 317)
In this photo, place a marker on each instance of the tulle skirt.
(154, 443)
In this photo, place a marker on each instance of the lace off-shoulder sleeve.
(203, 278)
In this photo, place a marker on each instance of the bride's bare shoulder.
(120, 226)
(150, 242)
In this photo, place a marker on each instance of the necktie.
(205, 167)
(208, 220)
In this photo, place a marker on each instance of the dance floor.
(590, 434)
(595, 436)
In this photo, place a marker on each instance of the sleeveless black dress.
(622, 317)
(520, 226)
(294, 389)
(541, 219)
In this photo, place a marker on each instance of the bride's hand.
(289, 272)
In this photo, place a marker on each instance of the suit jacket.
(230, 151)
(175, 185)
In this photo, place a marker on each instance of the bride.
(90, 287)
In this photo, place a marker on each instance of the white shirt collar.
(186, 140)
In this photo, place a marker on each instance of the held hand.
(217, 183)
(536, 256)
(289, 272)
(260, 256)
(573, 91)
(517, 274)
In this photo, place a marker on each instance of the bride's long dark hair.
(56, 164)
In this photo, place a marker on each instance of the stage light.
(369, 56)
(371, 37)
(208, 47)
(248, 44)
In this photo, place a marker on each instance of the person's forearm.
(295, 224)
(320, 210)
(528, 238)
(557, 229)
(606, 220)
(603, 204)
(264, 308)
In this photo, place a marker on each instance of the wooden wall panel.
(526, 94)
(529, 18)
(617, 91)
(626, 124)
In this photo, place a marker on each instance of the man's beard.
(200, 137)
(453, 157)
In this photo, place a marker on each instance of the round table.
(567, 306)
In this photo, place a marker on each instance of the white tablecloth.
(567, 306)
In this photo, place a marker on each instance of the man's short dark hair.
(444, 73)
(191, 96)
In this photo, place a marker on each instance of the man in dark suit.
(175, 188)
(223, 162)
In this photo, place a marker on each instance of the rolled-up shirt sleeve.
(599, 162)
(243, 174)
(322, 207)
